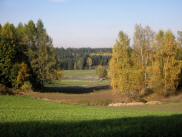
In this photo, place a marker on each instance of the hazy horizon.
(92, 23)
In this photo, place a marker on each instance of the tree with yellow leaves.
(172, 67)
(152, 64)
(23, 75)
(120, 64)
(143, 44)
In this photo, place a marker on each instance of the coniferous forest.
(27, 56)
(83, 58)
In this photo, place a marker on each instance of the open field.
(52, 112)
(27, 117)
(78, 80)
(77, 87)
(80, 74)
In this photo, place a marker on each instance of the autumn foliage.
(151, 63)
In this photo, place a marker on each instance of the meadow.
(77, 87)
(27, 117)
(79, 78)
(62, 110)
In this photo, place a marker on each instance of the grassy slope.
(82, 78)
(78, 87)
(79, 73)
(78, 81)
(24, 116)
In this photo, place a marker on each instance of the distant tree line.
(27, 56)
(83, 58)
(152, 63)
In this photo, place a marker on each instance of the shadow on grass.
(149, 126)
(74, 89)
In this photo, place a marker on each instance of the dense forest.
(152, 64)
(83, 58)
(27, 56)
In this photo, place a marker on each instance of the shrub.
(5, 90)
(146, 92)
(26, 87)
(23, 75)
(101, 72)
(59, 75)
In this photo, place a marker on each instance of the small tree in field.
(59, 75)
(89, 62)
(101, 71)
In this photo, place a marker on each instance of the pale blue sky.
(93, 23)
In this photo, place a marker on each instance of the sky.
(93, 23)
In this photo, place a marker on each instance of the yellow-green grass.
(79, 73)
(78, 81)
(27, 117)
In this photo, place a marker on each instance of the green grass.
(80, 73)
(77, 81)
(79, 78)
(80, 83)
(27, 117)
